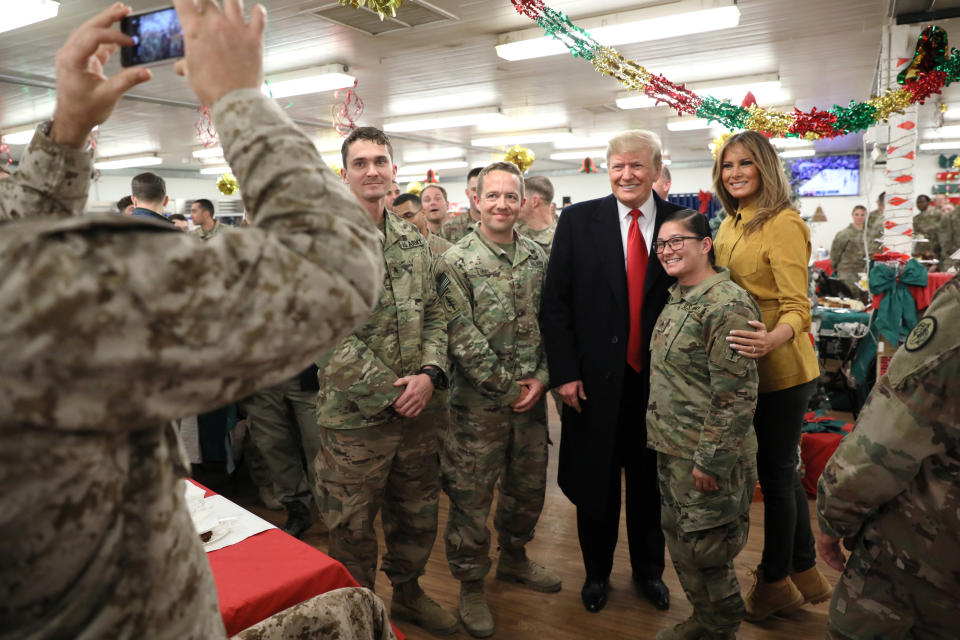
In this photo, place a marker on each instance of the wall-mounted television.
(826, 175)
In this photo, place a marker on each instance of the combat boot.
(298, 519)
(514, 566)
(411, 604)
(689, 629)
(269, 500)
(474, 612)
(767, 598)
(813, 585)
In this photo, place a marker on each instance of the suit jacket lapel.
(609, 243)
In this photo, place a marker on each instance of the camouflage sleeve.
(434, 321)
(468, 346)
(910, 416)
(365, 380)
(836, 249)
(149, 324)
(52, 181)
(542, 373)
(733, 393)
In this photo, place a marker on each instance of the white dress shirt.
(647, 223)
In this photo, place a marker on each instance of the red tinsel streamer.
(533, 9)
(5, 151)
(925, 85)
(680, 99)
(205, 132)
(431, 177)
(819, 122)
(346, 113)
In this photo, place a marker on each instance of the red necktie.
(636, 273)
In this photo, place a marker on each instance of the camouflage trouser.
(480, 447)
(352, 613)
(393, 466)
(283, 423)
(704, 533)
(877, 599)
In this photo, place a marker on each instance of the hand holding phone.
(157, 37)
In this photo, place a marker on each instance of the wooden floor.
(522, 614)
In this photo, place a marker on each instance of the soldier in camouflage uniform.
(948, 238)
(408, 207)
(537, 220)
(456, 228)
(343, 614)
(700, 421)
(378, 450)
(201, 213)
(847, 255)
(114, 326)
(892, 491)
(926, 223)
(490, 284)
(875, 224)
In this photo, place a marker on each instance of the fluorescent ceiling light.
(215, 171)
(431, 155)
(798, 153)
(690, 124)
(952, 112)
(444, 120)
(208, 152)
(19, 135)
(126, 162)
(584, 142)
(523, 119)
(579, 155)
(766, 88)
(791, 143)
(23, 12)
(642, 25)
(936, 146)
(418, 169)
(950, 131)
(522, 137)
(311, 80)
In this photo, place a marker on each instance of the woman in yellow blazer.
(766, 247)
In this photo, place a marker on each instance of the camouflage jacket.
(847, 253)
(894, 479)
(927, 224)
(543, 237)
(702, 392)
(948, 238)
(206, 235)
(492, 307)
(456, 228)
(112, 327)
(405, 332)
(437, 244)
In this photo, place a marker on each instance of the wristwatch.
(437, 376)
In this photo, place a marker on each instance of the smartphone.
(157, 36)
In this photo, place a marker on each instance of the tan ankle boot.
(474, 612)
(411, 604)
(514, 566)
(813, 585)
(767, 598)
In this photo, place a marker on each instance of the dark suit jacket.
(586, 318)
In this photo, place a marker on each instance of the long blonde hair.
(774, 194)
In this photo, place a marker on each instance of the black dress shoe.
(656, 592)
(594, 594)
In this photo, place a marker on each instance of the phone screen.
(157, 36)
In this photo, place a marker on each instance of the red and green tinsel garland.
(930, 71)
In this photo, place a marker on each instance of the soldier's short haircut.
(407, 197)
(540, 186)
(694, 222)
(123, 203)
(507, 167)
(205, 204)
(148, 187)
(365, 133)
(636, 140)
(665, 173)
(474, 173)
(177, 216)
(435, 186)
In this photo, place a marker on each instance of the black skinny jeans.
(787, 539)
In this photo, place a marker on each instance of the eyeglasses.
(676, 243)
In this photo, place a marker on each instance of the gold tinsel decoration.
(889, 103)
(227, 184)
(774, 122)
(956, 162)
(336, 168)
(415, 188)
(520, 156)
(383, 8)
(943, 107)
(719, 141)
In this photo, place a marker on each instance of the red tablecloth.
(816, 450)
(823, 265)
(922, 295)
(268, 573)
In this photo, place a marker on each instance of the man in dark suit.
(604, 291)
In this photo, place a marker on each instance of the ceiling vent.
(412, 13)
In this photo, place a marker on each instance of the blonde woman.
(766, 247)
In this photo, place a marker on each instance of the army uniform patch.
(921, 334)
